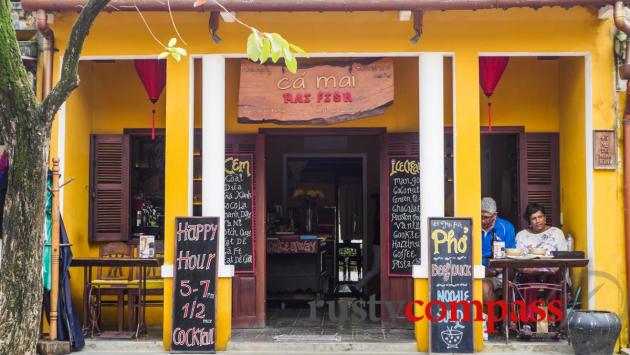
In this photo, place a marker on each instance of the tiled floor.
(297, 321)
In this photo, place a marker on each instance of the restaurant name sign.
(324, 93)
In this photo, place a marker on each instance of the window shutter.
(403, 144)
(542, 175)
(109, 188)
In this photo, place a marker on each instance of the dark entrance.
(500, 173)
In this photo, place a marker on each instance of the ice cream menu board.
(195, 283)
(451, 277)
(239, 212)
(404, 214)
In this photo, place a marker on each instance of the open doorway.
(500, 172)
(322, 224)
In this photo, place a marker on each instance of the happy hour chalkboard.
(404, 215)
(239, 212)
(451, 278)
(195, 283)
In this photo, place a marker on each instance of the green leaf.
(290, 61)
(287, 54)
(164, 55)
(176, 56)
(180, 51)
(298, 50)
(276, 44)
(253, 50)
(172, 42)
(291, 64)
(282, 42)
(275, 55)
(266, 49)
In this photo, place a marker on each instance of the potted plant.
(593, 332)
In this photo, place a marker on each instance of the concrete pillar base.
(53, 347)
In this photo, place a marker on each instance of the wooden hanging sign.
(321, 94)
(604, 150)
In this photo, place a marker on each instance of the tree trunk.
(25, 128)
(21, 288)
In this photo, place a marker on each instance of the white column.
(213, 150)
(431, 101)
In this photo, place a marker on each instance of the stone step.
(323, 347)
(557, 347)
(490, 348)
(125, 345)
(154, 345)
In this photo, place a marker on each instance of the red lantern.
(152, 72)
(490, 71)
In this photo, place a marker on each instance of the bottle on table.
(498, 247)
(570, 241)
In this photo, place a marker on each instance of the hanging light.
(152, 73)
(490, 71)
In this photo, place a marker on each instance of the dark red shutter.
(248, 289)
(541, 169)
(396, 290)
(109, 188)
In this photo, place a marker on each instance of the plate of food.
(544, 256)
(522, 257)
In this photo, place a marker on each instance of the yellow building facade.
(560, 79)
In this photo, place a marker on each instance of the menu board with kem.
(404, 214)
(451, 280)
(239, 212)
(194, 315)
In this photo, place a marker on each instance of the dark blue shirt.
(505, 233)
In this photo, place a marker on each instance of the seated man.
(492, 225)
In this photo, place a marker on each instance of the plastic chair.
(518, 292)
(110, 281)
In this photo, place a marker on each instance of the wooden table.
(506, 264)
(89, 263)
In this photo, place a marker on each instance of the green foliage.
(619, 46)
(262, 45)
(176, 52)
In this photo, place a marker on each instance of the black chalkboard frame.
(252, 162)
(175, 311)
(389, 227)
(469, 325)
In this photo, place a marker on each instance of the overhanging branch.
(69, 79)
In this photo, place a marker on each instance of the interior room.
(321, 193)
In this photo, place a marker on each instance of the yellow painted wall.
(465, 33)
(110, 98)
(527, 95)
(573, 157)
(119, 100)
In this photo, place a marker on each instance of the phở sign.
(325, 93)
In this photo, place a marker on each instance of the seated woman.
(539, 235)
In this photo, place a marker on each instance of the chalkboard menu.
(195, 284)
(404, 214)
(451, 280)
(239, 212)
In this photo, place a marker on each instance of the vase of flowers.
(310, 200)
(150, 214)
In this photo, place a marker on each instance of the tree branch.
(69, 79)
(16, 93)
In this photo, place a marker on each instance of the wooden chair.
(154, 286)
(110, 281)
